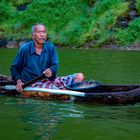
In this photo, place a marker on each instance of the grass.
(119, 67)
(71, 23)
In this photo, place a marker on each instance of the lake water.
(30, 119)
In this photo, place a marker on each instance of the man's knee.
(79, 77)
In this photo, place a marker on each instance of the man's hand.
(47, 72)
(19, 86)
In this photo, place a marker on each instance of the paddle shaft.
(33, 80)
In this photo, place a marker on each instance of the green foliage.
(6, 11)
(19, 2)
(60, 17)
(69, 22)
(138, 5)
(103, 20)
(131, 34)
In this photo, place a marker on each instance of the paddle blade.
(55, 91)
(8, 88)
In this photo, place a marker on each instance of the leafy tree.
(138, 5)
(131, 34)
(6, 11)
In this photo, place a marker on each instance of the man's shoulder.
(48, 43)
(26, 45)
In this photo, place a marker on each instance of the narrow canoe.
(104, 94)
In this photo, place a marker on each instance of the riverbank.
(17, 43)
(75, 22)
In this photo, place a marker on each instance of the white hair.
(34, 27)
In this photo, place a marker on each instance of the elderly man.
(39, 56)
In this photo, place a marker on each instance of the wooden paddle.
(34, 80)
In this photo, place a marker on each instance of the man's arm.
(54, 63)
(17, 66)
(51, 72)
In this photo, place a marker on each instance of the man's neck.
(38, 46)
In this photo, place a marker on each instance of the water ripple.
(41, 118)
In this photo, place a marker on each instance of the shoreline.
(16, 44)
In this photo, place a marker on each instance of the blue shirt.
(27, 65)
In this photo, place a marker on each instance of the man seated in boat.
(39, 56)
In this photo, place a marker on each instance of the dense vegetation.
(71, 22)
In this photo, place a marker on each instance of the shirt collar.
(32, 51)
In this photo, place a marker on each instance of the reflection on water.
(39, 117)
(42, 120)
(45, 116)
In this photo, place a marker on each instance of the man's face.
(39, 34)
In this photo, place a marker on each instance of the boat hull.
(103, 94)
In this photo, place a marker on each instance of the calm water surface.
(29, 119)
